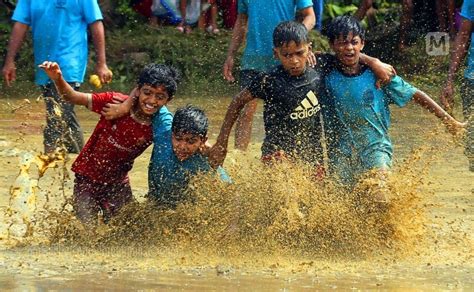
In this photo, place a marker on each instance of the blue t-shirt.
(168, 177)
(263, 17)
(467, 11)
(59, 29)
(364, 114)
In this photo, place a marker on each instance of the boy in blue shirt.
(177, 154)
(362, 110)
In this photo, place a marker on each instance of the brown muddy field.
(424, 241)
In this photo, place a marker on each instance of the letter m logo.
(437, 43)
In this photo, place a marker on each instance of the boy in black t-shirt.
(293, 103)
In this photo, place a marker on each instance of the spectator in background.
(461, 47)
(229, 12)
(206, 10)
(405, 17)
(256, 21)
(318, 6)
(186, 14)
(445, 10)
(59, 31)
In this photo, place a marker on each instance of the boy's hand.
(311, 59)
(447, 97)
(383, 72)
(456, 128)
(52, 70)
(227, 69)
(216, 155)
(205, 149)
(114, 110)
(9, 72)
(104, 73)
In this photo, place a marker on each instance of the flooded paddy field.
(425, 241)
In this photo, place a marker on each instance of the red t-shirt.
(109, 153)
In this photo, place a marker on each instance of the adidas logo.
(309, 106)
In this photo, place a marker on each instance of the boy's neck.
(139, 116)
(350, 70)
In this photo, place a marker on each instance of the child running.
(177, 154)
(363, 110)
(101, 168)
(293, 104)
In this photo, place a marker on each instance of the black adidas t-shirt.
(292, 112)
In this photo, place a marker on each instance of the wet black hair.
(288, 31)
(343, 25)
(160, 74)
(190, 119)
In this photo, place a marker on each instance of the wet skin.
(186, 144)
(293, 57)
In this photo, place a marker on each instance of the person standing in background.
(461, 47)
(59, 31)
(256, 21)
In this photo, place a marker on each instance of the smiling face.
(293, 57)
(186, 144)
(348, 50)
(151, 98)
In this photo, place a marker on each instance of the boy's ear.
(363, 44)
(275, 53)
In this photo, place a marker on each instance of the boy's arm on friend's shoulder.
(383, 71)
(218, 152)
(119, 107)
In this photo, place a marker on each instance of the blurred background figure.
(229, 12)
(318, 7)
(59, 31)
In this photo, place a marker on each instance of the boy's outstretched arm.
(64, 89)
(428, 103)
(218, 152)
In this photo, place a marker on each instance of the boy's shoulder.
(97, 100)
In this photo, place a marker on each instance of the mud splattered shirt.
(168, 177)
(109, 153)
(364, 116)
(292, 113)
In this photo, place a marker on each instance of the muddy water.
(435, 251)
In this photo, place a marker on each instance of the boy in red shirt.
(102, 167)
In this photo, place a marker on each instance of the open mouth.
(181, 155)
(149, 106)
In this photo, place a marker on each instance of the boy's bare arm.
(238, 35)
(460, 50)
(64, 89)
(306, 17)
(384, 72)
(119, 108)
(428, 103)
(218, 152)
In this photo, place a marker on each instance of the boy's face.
(293, 57)
(186, 144)
(152, 98)
(348, 49)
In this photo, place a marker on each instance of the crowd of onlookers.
(201, 14)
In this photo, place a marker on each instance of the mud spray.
(267, 212)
